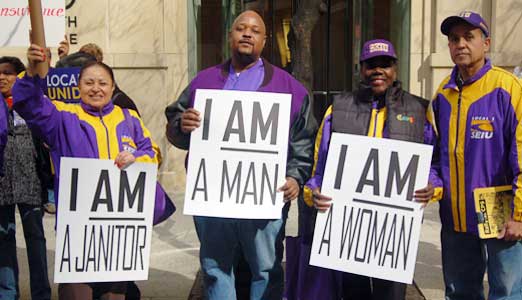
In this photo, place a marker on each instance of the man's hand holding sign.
(238, 140)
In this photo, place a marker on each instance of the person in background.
(478, 113)
(67, 129)
(22, 187)
(3, 133)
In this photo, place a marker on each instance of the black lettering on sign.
(206, 119)
(377, 238)
(125, 191)
(141, 246)
(405, 241)
(236, 113)
(327, 229)
(250, 181)
(103, 183)
(348, 231)
(410, 175)
(340, 167)
(73, 39)
(118, 228)
(103, 249)
(78, 267)
(74, 189)
(66, 250)
(201, 172)
(390, 244)
(235, 182)
(271, 122)
(372, 160)
(125, 247)
(359, 237)
(91, 252)
(272, 189)
(71, 20)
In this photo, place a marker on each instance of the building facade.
(157, 46)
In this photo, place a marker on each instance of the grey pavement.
(174, 259)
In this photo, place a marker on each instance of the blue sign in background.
(62, 84)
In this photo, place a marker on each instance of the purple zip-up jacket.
(302, 125)
(480, 142)
(73, 130)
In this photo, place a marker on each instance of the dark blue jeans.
(36, 252)
(465, 259)
(260, 241)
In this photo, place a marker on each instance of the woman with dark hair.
(22, 187)
(94, 129)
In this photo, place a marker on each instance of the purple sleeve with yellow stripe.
(431, 138)
(516, 148)
(147, 151)
(322, 142)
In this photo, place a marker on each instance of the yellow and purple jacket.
(480, 142)
(72, 130)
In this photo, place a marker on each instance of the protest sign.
(373, 225)
(238, 155)
(104, 223)
(62, 84)
(15, 20)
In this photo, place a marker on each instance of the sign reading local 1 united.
(104, 223)
(373, 225)
(237, 157)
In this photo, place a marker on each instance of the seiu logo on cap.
(465, 14)
(379, 47)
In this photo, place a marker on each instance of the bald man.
(260, 241)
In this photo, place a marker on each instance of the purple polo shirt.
(248, 80)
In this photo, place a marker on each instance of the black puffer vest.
(406, 113)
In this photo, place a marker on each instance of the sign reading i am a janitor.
(373, 225)
(237, 156)
(104, 223)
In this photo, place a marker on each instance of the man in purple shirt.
(259, 241)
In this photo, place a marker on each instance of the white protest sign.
(14, 17)
(373, 225)
(104, 223)
(238, 155)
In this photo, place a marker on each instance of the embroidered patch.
(405, 118)
(482, 128)
(128, 144)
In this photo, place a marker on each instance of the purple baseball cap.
(472, 18)
(375, 48)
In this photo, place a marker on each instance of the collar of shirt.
(248, 80)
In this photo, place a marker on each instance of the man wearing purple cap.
(477, 111)
(372, 110)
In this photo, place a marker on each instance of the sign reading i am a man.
(237, 156)
(373, 225)
(104, 223)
